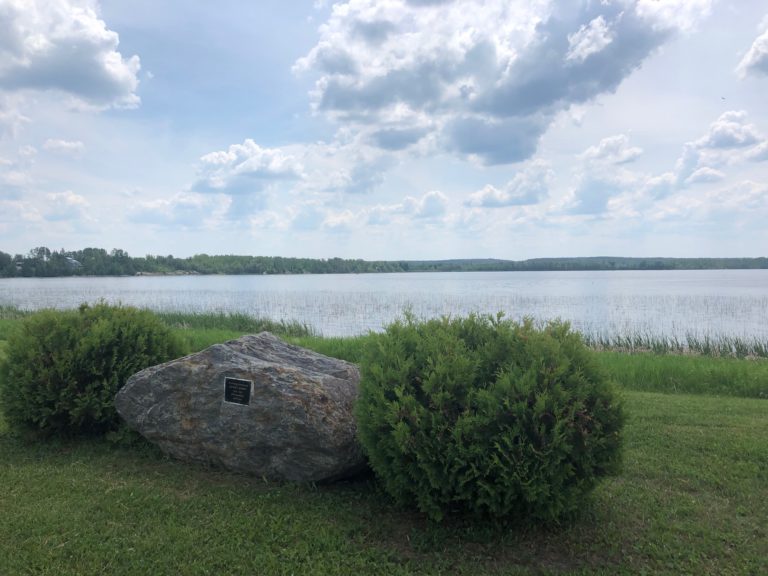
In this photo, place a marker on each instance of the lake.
(659, 303)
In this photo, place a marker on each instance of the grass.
(688, 374)
(713, 346)
(693, 497)
(235, 322)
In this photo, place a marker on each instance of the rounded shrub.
(63, 368)
(487, 417)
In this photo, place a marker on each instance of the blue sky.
(392, 129)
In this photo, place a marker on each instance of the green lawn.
(693, 499)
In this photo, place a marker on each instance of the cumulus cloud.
(730, 131)
(603, 176)
(705, 174)
(590, 39)
(73, 148)
(612, 150)
(244, 169)
(594, 191)
(432, 206)
(730, 140)
(723, 202)
(604, 183)
(755, 61)
(63, 45)
(529, 186)
(490, 76)
(353, 172)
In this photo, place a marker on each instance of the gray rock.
(298, 423)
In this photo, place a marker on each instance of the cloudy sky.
(392, 129)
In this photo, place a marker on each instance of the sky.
(385, 129)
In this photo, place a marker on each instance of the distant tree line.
(43, 262)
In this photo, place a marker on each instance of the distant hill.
(42, 262)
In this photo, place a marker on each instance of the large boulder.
(255, 405)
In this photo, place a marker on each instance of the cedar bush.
(63, 368)
(487, 417)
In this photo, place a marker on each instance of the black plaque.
(237, 391)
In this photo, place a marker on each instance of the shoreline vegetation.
(233, 324)
(692, 497)
(42, 262)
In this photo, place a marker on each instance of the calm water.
(664, 303)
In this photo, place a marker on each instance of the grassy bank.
(693, 497)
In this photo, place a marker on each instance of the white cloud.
(341, 221)
(245, 168)
(344, 168)
(11, 119)
(596, 190)
(17, 211)
(27, 151)
(187, 210)
(755, 61)
(723, 203)
(603, 182)
(63, 45)
(604, 185)
(730, 131)
(13, 181)
(680, 14)
(744, 196)
(73, 148)
(529, 186)
(432, 205)
(65, 206)
(705, 174)
(15, 177)
(612, 150)
(484, 78)
(729, 140)
(590, 39)
(759, 153)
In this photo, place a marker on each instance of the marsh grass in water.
(12, 313)
(703, 345)
(233, 321)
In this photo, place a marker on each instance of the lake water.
(661, 303)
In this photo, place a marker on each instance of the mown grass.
(693, 499)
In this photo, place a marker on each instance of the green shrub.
(62, 369)
(484, 416)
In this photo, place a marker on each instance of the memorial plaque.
(237, 391)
